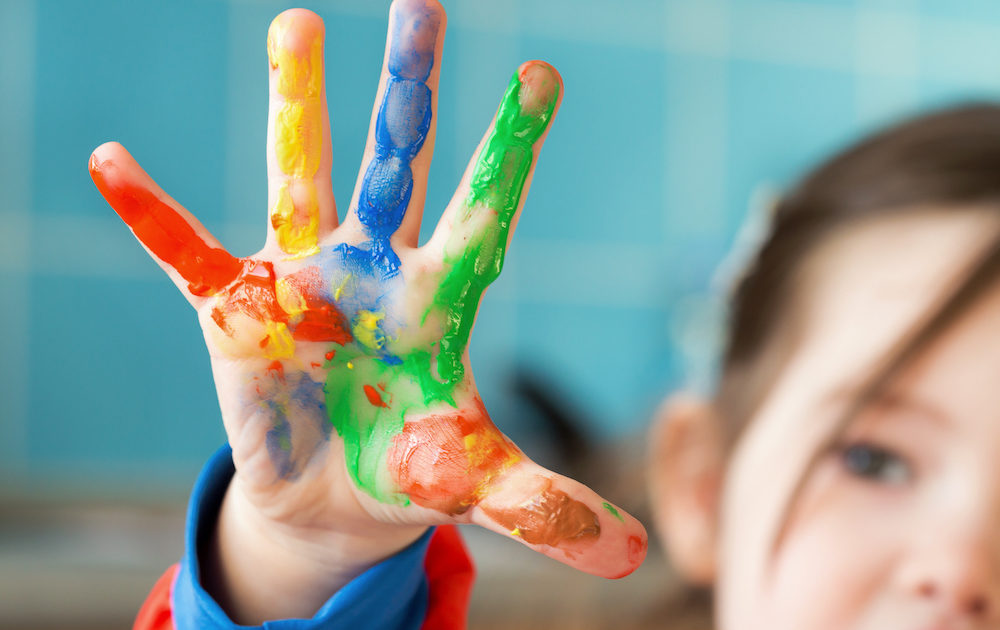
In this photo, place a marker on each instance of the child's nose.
(972, 604)
(959, 580)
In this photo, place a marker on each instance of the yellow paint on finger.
(298, 138)
(482, 448)
(300, 76)
(298, 124)
(296, 229)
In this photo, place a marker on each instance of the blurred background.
(680, 119)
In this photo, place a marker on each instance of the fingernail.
(294, 31)
(414, 39)
(540, 85)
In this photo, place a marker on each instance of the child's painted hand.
(340, 352)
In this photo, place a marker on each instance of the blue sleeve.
(390, 595)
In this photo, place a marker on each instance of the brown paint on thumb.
(550, 517)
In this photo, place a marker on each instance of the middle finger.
(392, 184)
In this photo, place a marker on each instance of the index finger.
(389, 196)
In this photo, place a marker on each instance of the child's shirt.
(425, 586)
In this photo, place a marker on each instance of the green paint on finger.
(614, 511)
(496, 185)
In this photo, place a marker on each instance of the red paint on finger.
(447, 462)
(374, 398)
(636, 549)
(637, 546)
(164, 231)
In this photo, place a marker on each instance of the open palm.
(340, 352)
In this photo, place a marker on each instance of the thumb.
(458, 463)
(563, 519)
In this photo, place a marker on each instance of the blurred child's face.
(898, 526)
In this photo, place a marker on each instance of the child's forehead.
(869, 284)
(955, 379)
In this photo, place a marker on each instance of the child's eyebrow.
(896, 401)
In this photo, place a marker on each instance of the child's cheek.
(836, 564)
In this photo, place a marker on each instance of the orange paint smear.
(165, 232)
(252, 295)
(277, 369)
(255, 295)
(329, 355)
(319, 320)
(374, 398)
(447, 462)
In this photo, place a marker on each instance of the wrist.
(259, 569)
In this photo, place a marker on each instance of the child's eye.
(874, 463)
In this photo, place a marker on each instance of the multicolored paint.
(447, 462)
(345, 349)
(474, 260)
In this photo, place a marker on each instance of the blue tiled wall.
(677, 115)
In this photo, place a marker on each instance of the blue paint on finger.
(383, 200)
(401, 127)
(404, 118)
(414, 35)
